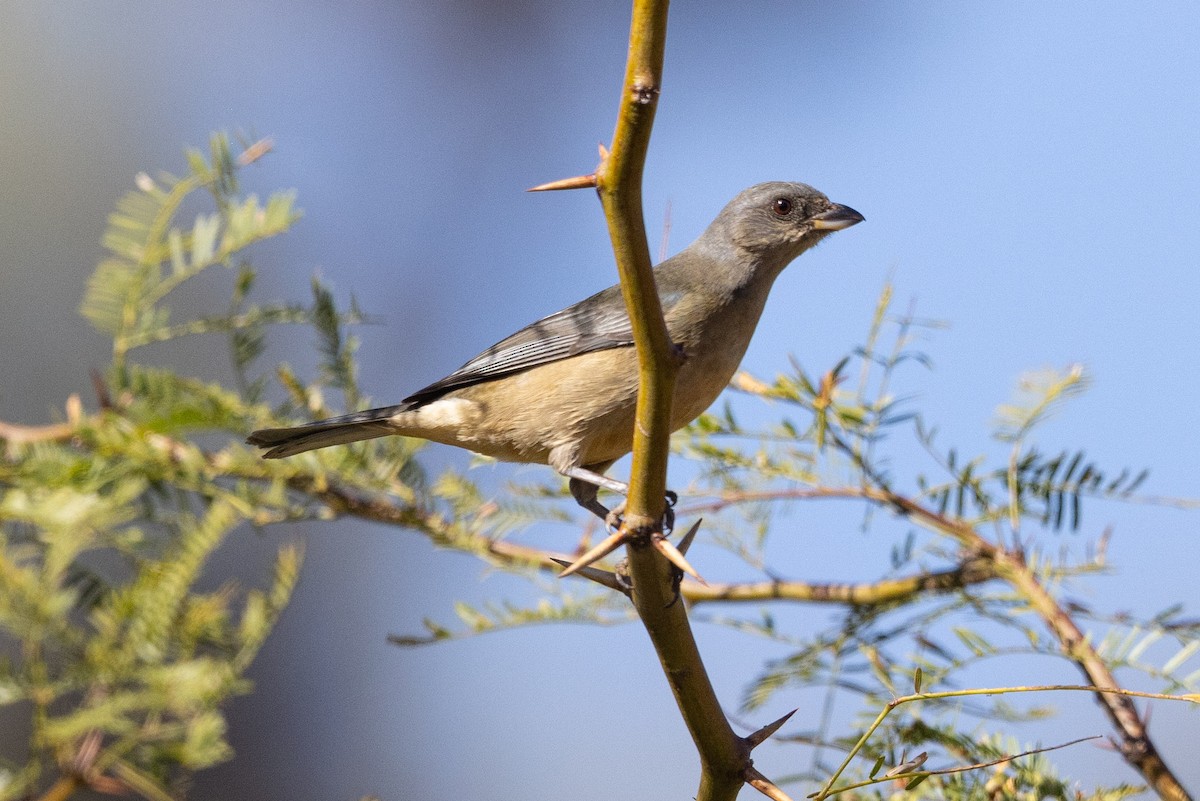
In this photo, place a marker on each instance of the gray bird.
(562, 391)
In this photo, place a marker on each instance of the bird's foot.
(624, 582)
(676, 584)
(616, 516)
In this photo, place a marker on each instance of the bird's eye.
(782, 207)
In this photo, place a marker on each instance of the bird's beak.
(836, 218)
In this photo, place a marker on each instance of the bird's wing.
(597, 323)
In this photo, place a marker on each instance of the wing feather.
(597, 323)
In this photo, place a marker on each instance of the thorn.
(686, 542)
(101, 390)
(764, 785)
(606, 546)
(755, 739)
(673, 555)
(606, 578)
(603, 151)
(578, 182)
(89, 749)
(256, 151)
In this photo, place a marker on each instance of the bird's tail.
(323, 433)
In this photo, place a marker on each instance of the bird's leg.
(584, 484)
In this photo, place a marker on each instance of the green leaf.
(1184, 654)
(1039, 394)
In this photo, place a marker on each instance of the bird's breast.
(713, 346)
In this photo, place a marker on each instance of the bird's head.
(778, 221)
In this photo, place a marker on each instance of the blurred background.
(1028, 171)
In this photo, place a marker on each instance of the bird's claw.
(676, 585)
(668, 520)
(622, 574)
(669, 512)
(614, 519)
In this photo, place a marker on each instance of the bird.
(563, 390)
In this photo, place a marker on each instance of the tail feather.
(323, 433)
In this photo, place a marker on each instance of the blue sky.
(1028, 171)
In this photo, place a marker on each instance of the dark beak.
(836, 218)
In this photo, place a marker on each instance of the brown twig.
(887, 591)
(1135, 744)
(909, 775)
(16, 434)
(619, 185)
(724, 757)
(827, 789)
